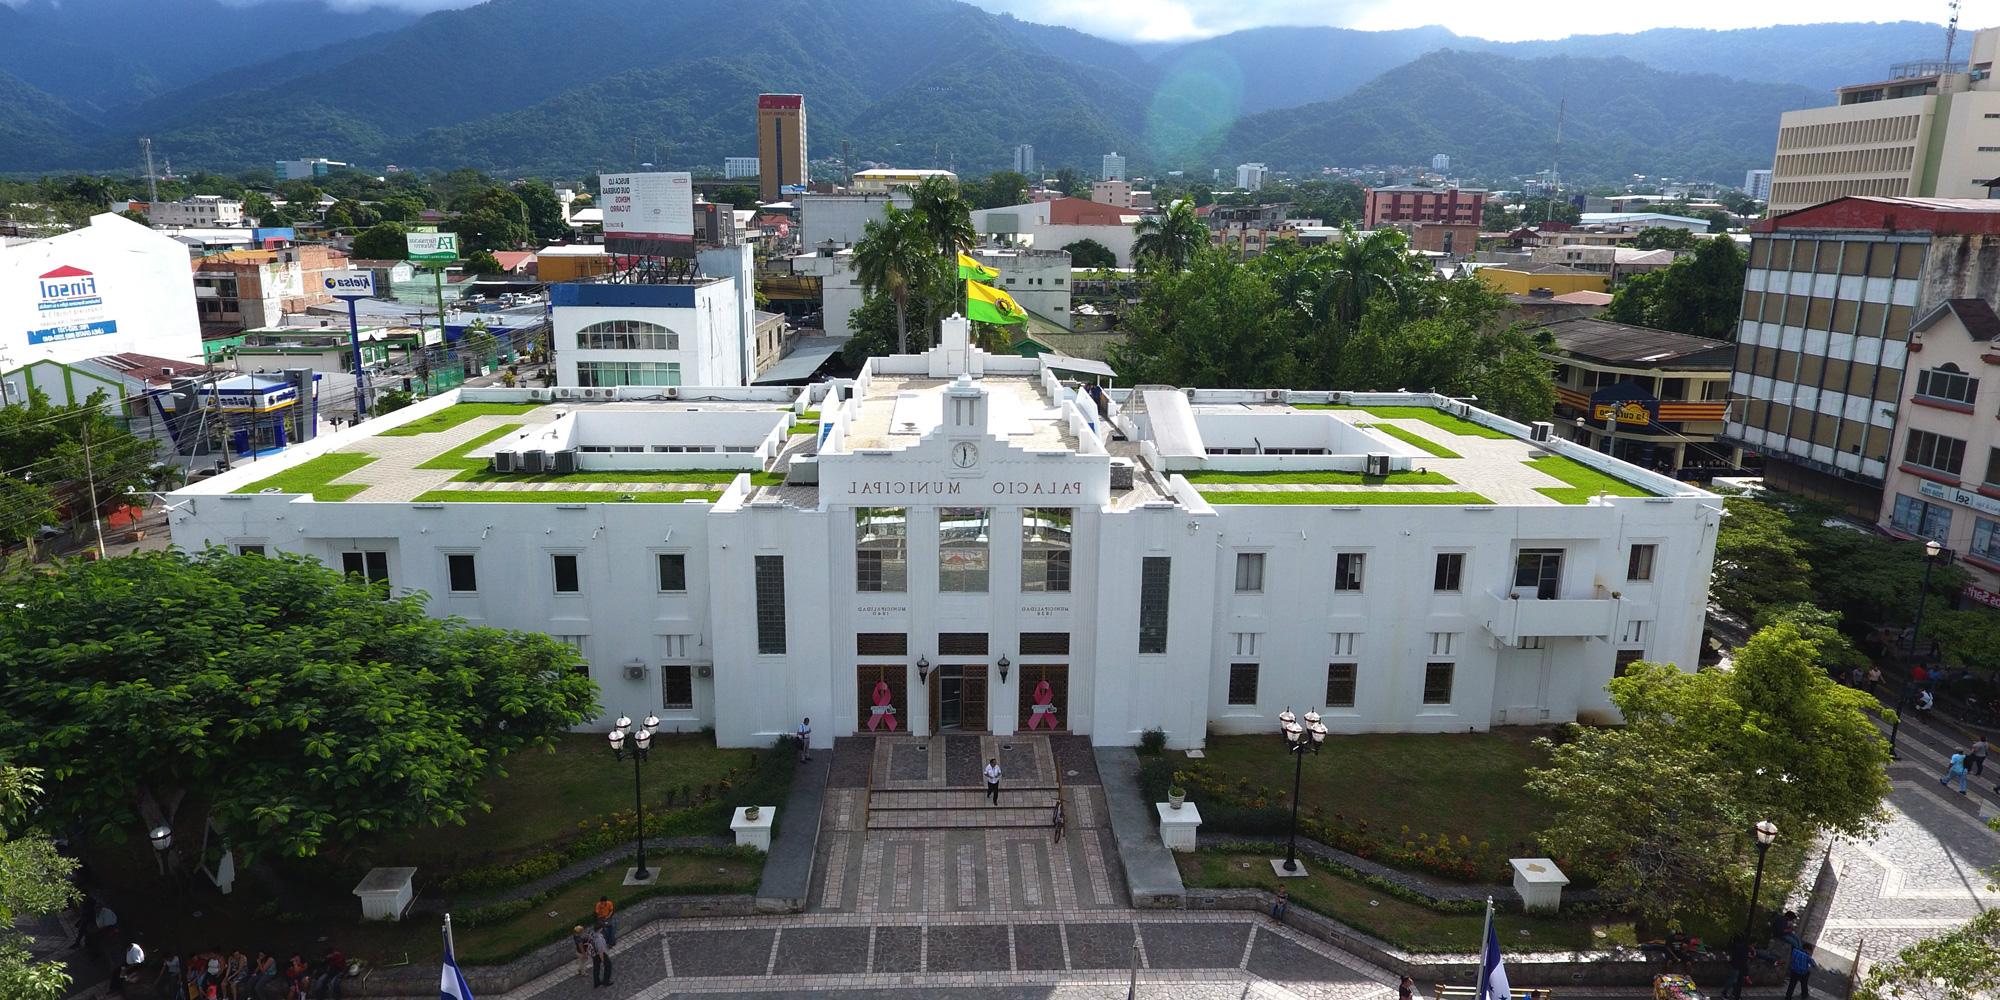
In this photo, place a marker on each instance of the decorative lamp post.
(1765, 831)
(642, 745)
(1004, 664)
(923, 670)
(162, 837)
(1931, 550)
(1299, 741)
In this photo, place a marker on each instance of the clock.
(964, 455)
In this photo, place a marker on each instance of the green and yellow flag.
(986, 304)
(972, 270)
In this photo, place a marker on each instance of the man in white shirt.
(805, 739)
(993, 780)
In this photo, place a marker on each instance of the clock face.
(965, 454)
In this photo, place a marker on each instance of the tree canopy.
(1701, 293)
(56, 457)
(1090, 253)
(1960, 964)
(382, 241)
(1664, 238)
(299, 709)
(1171, 239)
(34, 881)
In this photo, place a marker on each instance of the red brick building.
(1415, 203)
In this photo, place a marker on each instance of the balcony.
(1509, 619)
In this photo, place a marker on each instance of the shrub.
(1153, 742)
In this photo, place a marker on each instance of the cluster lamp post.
(1300, 739)
(642, 745)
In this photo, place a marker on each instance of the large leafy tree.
(34, 881)
(545, 220)
(62, 458)
(1664, 238)
(383, 241)
(297, 709)
(1701, 293)
(1090, 253)
(1760, 563)
(1659, 810)
(943, 214)
(896, 256)
(1171, 239)
(490, 218)
(1000, 189)
(1960, 964)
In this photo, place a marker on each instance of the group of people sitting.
(218, 975)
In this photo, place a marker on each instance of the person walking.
(1977, 760)
(993, 780)
(600, 959)
(1799, 972)
(604, 910)
(1739, 968)
(1059, 818)
(1407, 989)
(580, 943)
(805, 739)
(1955, 769)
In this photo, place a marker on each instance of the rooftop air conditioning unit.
(1540, 430)
(673, 393)
(565, 462)
(503, 461)
(565, 392)
(1121, 474)
(635, 672)
(539, 395)
(1274, 396)
(1378, 465)
(534, 461)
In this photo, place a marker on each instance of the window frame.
(1450, 673)
(881, 550)
(1049, 548)
(667, 673)
(451, 580)
(1250, 572)
(1929, 379)
(1455, 573)
(374, 564)
(1640, 561)
(772, 628)
(1927, 449)
(972, 579)
(660, 563)
(1155, 622)
(1352, 680)
(1236, 672)
(1350, 572)
(556, 564)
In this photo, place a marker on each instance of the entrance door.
(950, 697)
(958, 698)
(1044, 691)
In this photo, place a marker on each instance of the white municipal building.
(958, 540)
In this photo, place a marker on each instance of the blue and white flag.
(1492, 974)
(451, 986)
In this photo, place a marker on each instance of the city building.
(1114, 168)
(1632, 222)
(1420, 203)
(781, 145)
(1115, 193)
(572, 262)
(1828, 302)
(1441, 163)
(1943, 479)
(199, 210)
(739, 167)
(1452, 239)
(1928, 130)
(242, 289)
(1038, 279)
(839, 218)
(960, 543)
(1541, 307)
(883, 180)
(1654, 398)
(1616, 262)
(699, 332)
(1052, 225)
(305, 170)
(1024, 160)
(1757, 184)
(111, 287)
(1250, 176)
(1526, 279)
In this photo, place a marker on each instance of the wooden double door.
(958, 698)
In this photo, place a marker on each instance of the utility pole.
(152, 184)
(90, 477)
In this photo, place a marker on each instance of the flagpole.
(1485, 936)
(450, 952)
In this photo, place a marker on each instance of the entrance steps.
(955, 808)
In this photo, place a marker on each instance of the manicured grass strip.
(1340, 499)
(316, 477)
(809, 415)
(1412, 437)
(767, 479)
(806, 427)
(718, 476)
(565, 496)
(456, 458)
(1319, 476)
(458, 413)
(1584, 481)
(1439, 418)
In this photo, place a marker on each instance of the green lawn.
(1411, 437)
(1429, 415)
(1462, 784)
(456, 458)
(1584, 481)
(1400, 922)
(1341, 498)
(565, 496)
(1318, 476)
(806, 427)
(458, 413)
(505, 940)
(316, 477)
(722, 477)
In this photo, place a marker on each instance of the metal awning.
(1085, 365)
(808, 354)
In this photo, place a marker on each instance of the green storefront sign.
(432, 247)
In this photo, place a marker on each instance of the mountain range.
(567, 87)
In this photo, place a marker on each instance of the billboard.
(648, 213)
(68, 306)
(432, 247)
(349, 284)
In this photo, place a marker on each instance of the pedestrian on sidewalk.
(1955, 769)
(805, 739)
(1800, 973)
(993, 780)
(1407, 989)
(1874, 677)
(580, 943)
(600, 959)
(1058, 818)
(1281, 907)
(1739, 968)
(603, 911)
(1925, 700)
(1977, 760)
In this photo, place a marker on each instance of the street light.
(162, 837)
(1765, 831)
(1931, 550)
(1299, 740)
(642, 745)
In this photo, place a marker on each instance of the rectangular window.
(578, 643)
(1045, 548)
(964, 548)
(565, 574)
(462, 573)
(372, 566)
(1044, 643)
(1340, 685)
(881, 644)
(1246, 642)
(1947, 384)
(1249, 572)
(673, 571)
(1347, 568)
(677, 686)
(1993, 467)
(1444, 643)
(1635, 632)
(770, 604)
(881, 550)
(1916, 517)
(674, 647)
(962, 643)
(1626, 657)
(1639, 565)
(1155, 575)
(1437, 683)
(1243, 684)
(1934, 451)
(609, 374)
(1986, 540)
(249, 550)
(1344, 642)
(1538, 572)
(1450, 572)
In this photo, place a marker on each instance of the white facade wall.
(839, 289)
(735, 167)
(206, 210)
(139, 295)
(711, 347)
(1038, 280)
(1114, 168)
(1029, 225)
(839, 218)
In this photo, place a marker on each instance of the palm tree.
(893, 256)
(947, 216)
(1172, 238)
(1364, 266)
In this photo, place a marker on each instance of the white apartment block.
(1024, 160)
(1250, 176)
(737, 167)
(1114, 168)
(609, 335)
(200, 210)
(964, 541)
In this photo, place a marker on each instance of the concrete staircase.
(960, 808)
(912, 787)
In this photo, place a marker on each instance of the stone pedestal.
(753, 832)
(1539, 883)
(385, 893)
(1177, 826)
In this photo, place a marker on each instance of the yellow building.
(886, 179)
(781, 144)
(1560, 279)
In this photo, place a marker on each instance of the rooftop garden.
(1317, 477)
(1584, 481)
(458, 413)
(1409, 437)
(1341, 498)
(459, 457)
(717, 477)
(1427, 414)
(565, 496)
(317, 477)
